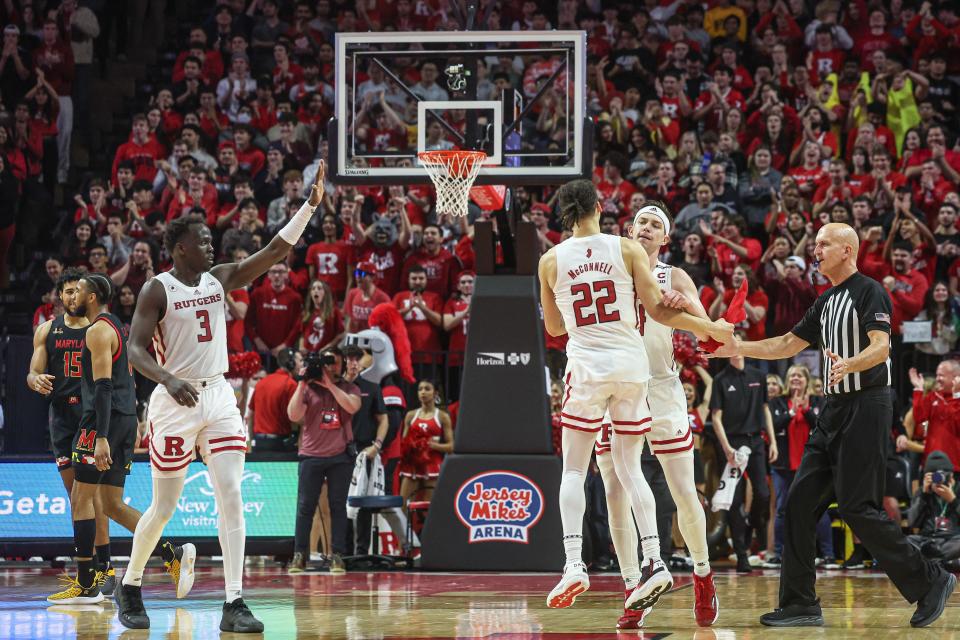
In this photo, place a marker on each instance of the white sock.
(678, 470)
(626, 452)
(577, 447)
(623, 531)
(166, 493)
(226, 471)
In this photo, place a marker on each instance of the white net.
(452, 173)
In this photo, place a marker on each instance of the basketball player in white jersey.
(193, 407)
(589, 287)
(670, 437)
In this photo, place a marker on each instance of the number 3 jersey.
(596, 297)
(191, 336)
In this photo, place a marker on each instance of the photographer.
(935, 511)
(324, 404)
(267, 411)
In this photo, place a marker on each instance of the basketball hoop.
(452, 173)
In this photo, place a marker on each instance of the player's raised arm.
(151, 302)
(650, 295)
(552, 319)
(239, 274)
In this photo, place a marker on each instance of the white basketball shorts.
(177, 432)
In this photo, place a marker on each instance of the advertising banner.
(33, 502)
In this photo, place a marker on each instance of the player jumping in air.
(183, 312)
(589, 287)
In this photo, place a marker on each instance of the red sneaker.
(706, 606)
(631, 619)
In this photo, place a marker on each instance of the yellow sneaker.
(107, 581)
(76, 594)
(181, 569)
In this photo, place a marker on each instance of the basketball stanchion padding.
(452, 173)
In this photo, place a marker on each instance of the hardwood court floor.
(442, 605)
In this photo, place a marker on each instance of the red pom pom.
(243, 365)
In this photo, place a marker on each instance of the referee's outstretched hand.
(838, 369)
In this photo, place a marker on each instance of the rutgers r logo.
(172, 446)
(86, 439)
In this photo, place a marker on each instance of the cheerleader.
(427, 436)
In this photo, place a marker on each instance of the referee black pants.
(845, 461)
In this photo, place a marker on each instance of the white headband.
(654, 210)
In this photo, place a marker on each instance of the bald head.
(842, 233)
(836, 251)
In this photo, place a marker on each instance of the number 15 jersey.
(191, 337)
(596, 297)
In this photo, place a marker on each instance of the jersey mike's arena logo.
(499, 506)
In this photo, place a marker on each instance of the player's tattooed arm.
(37, 378)
(235, 275)
(150, 304)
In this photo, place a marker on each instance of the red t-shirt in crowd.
(458, 334)
(317, 332)
(269, 403)
(442, 270)
(274, 316)
(331, 263)
(729, 260)
(143, 157)
(907, 295)
(357, 307)
(235, 327)
(389, 261)
(424, 335)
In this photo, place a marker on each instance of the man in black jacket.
(935, 511)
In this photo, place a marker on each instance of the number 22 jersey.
(191, 337)
(596, 297)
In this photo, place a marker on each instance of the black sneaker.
(931, 605)
(855, 561)
(772, 562)
(107, 580)
(743, 564)
(238, 618)
(130, 609)
(794, 615)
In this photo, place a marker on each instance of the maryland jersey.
(658, 338)
(596, 297)
(191, 337)
(64, 349)
(123, 400)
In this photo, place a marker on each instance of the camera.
(941, 477)
(315, 362)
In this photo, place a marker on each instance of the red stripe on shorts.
(160, 468)
(621, 432)
(212, 451)
(225, 438)
(673, 441)
(678, 450)
(578, 428)
(632, 424)
(579, 419)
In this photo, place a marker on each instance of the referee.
(845, 458)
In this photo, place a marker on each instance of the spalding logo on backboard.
(499, 506)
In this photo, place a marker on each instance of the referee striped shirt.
(840, 320)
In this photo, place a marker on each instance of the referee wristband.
(291, 232)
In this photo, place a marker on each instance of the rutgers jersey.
(191, 337)
(596, 296)
(658, 338)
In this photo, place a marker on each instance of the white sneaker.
(574, 582)
(655, 580)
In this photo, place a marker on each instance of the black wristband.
(102, 403)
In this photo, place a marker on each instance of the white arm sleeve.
(292, 231)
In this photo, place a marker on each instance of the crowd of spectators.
(755, 121)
